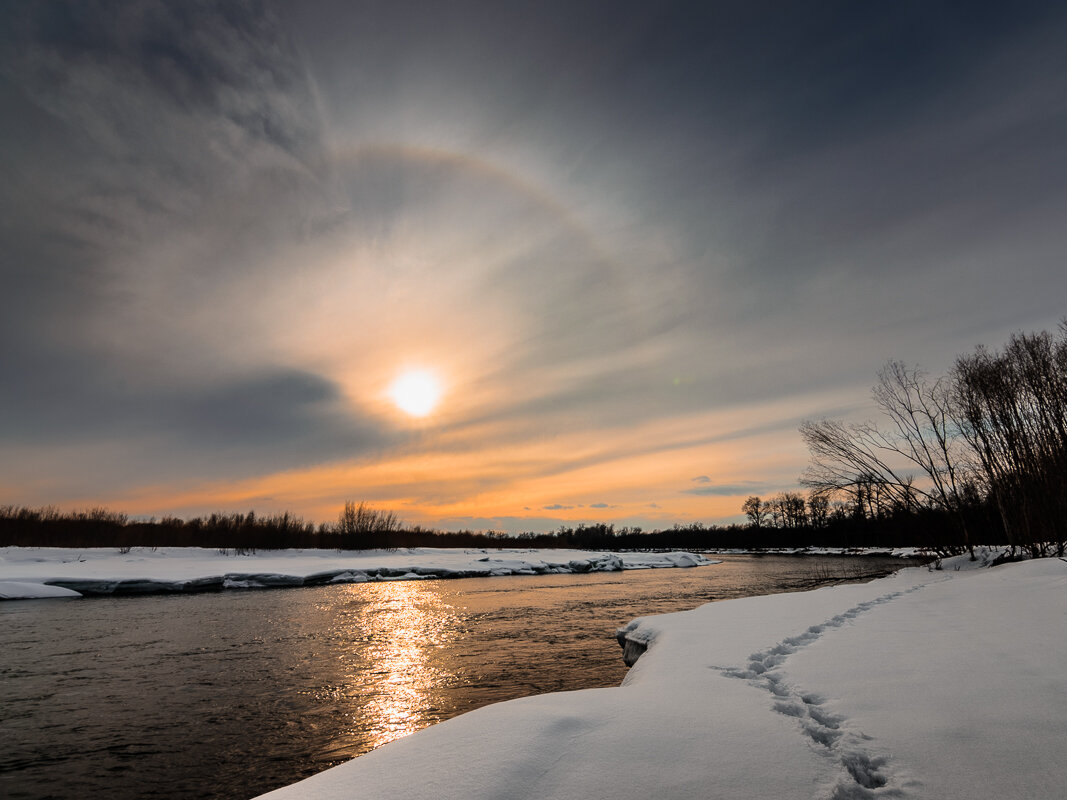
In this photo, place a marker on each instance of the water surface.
(233, 694)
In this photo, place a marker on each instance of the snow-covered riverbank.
(39, 572)
(946, 684)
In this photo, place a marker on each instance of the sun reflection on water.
(398, 629)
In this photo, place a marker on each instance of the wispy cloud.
(727, 489)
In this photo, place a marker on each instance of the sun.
(416, 392)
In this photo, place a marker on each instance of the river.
(229, 695)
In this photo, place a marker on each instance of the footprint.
(864, 775)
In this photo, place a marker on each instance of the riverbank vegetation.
(980, 452)
(362, 527)
(48, 527)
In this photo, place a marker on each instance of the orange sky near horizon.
(652, 475)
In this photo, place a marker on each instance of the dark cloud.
(248, 424)
(283, 409)
(128, 127)
(226, 62)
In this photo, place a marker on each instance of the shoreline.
(29, 573)
(47, 573)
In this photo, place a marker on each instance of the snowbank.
(891, 552)
(15, 590)
(61, 572)
(947, 684)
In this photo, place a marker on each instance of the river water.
(229, 695)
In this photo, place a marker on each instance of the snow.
(947, 684)
(27, 572)
(16, 590)
(891, 552)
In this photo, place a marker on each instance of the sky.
(636, 244)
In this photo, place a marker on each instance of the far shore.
(45, 572)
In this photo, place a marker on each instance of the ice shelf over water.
(946, 684)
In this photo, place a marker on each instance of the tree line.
(360, 526)
(977, 456)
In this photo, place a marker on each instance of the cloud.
(505, 524)
(702, 479)
(557, 507)
(600, 505)
(246, 425)
(230, 64)
(727, 490)
(280, 409)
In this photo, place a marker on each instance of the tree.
(924, 418)
(358, 522)
(1013, 413)
(818, 509)
(788, 510)
(868, 463)
(756, 510)
(794, 509)
(853, 460)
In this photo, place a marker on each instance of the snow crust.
(949, 684)
(32, 572)
(15, 590)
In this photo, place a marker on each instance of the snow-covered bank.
(947, 684)
(38, 572)
(889, 552)
(19, 590)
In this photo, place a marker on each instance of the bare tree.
(1013, 410)
(795, 508)
(359, 521)
(756, 510)
(926, 434)
(852, 459)
(788, 510)
(818, 509)
(868, 463)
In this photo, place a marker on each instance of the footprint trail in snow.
(865, 773)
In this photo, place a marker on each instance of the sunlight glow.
(416, 392)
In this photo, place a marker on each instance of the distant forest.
(978, 456)
(361, 527)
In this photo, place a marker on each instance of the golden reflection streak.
(401, 632)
